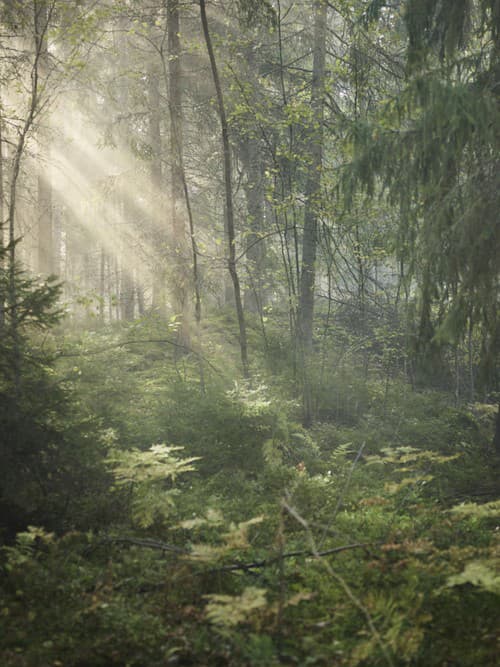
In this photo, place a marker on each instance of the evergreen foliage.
(48, 450)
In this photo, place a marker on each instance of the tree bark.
(312, 195)
(158, 236)
(45, 231)
(313, 186)
(254, 194)
(2, 222)
(123, 202)
(18, 154)
(180, 276)
(496, 437)
(228, 192)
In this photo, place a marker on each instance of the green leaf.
(477, 573)
(231, 610)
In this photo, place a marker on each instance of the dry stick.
(347, 589)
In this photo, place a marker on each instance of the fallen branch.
(146, 543)
(235, 567)
(266, 562)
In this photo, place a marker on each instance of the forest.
(249, 333)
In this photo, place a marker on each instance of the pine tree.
(434, 149)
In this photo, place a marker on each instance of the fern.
(480, 574)
(228, 611)
(473, 510)
(157, 463)
(147, 472)
(236, 538)
(24, 551)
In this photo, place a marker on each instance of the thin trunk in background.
(126, 216)
(496, 436)
(44, 185)
(18, 153)
(124, 212)
(254, 194)
(290, 257)
(180, 277)
(158, 236)
(250, 153)
(313, 185)
(2, 213)
(102, 283)
(228, 192)
(312, 202)
(181, 208)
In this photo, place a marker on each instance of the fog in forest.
(249, 333)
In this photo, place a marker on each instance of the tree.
(312, 201)
(435, 150)
(43, 11)
(228, 192)
(313, 184)
(178, 193)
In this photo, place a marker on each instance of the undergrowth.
(228, 534)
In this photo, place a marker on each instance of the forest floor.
(188, 521)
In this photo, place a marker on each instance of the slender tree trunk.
(254, 194)
(139, 294)
(470, 360)
(2, 222)
(181, 278)
(310, 237)
(33, 107)
(312, 196)
(250, 153)
(102, 283)
(158, 236)
(496, 437)
(127, 296)
(290, 256)
(127, 283)
(45, 231)
(228, 193)
(180, 200)
(123, 203)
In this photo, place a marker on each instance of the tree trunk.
(18, 154)
(2, 213)
(496, 437)
(45, 231)
(312, 197)
(127, 294)
(254, 193)
(158, 236)
(102, 283)
(313, 186)
(180, 276)
(123, 202)
(228, 193)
